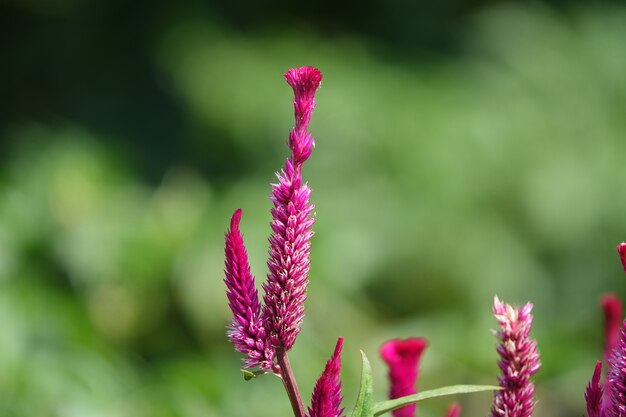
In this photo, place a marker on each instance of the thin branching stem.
(289, 381)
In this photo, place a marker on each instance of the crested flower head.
(246, 331)
(305, 81)
(285, 289)
(402, 358)
(593, 393)
(519, 360)
(616, 380)
(326, 398)
(621, 250)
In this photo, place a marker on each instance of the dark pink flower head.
(519, 360)
(454, 410)
(612, 308)
(593, 393)
(246, 331)
(616, 380)
(403, 358)
(621, 249)
(305, 81)
(290, 242)
(326, 398)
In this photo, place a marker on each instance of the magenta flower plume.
(246, 331)
(326, 398)
(454, 410)
(593, 393)
(403, 358)
(519, 361)
(616, 379)
(290, 242)
(621, 250)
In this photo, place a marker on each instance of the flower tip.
(597, 372)
(397, 349)
(234, 221)
(594, 393)
(621, 250)
(306, 75)
(304, 80)
(338, 347)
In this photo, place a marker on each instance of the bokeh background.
(464, 149)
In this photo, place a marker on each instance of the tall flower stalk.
(290, 242)
(519, 361)
(265, 334)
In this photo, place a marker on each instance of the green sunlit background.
(464, 149)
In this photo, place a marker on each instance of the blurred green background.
(464, 149)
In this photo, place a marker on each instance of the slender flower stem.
(290, 383)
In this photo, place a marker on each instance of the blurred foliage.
(438, 183)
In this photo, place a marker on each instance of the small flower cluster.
(519, 360)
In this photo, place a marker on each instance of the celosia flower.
(402, 358)
(593, 393)
(285, 289)
(616, 379)
(519, 360)
(326, 398)
(454, 410)
(621, 249)
(246, 330)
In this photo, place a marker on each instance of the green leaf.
(248, 375)
(365, 400)
(386, 406)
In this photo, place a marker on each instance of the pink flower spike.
(593, 393)
(403, 358)
(454, 410)
(246, 330)
(621, 249)
(290, 242)
(326, 398)
(616, 380)
(519, 360)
